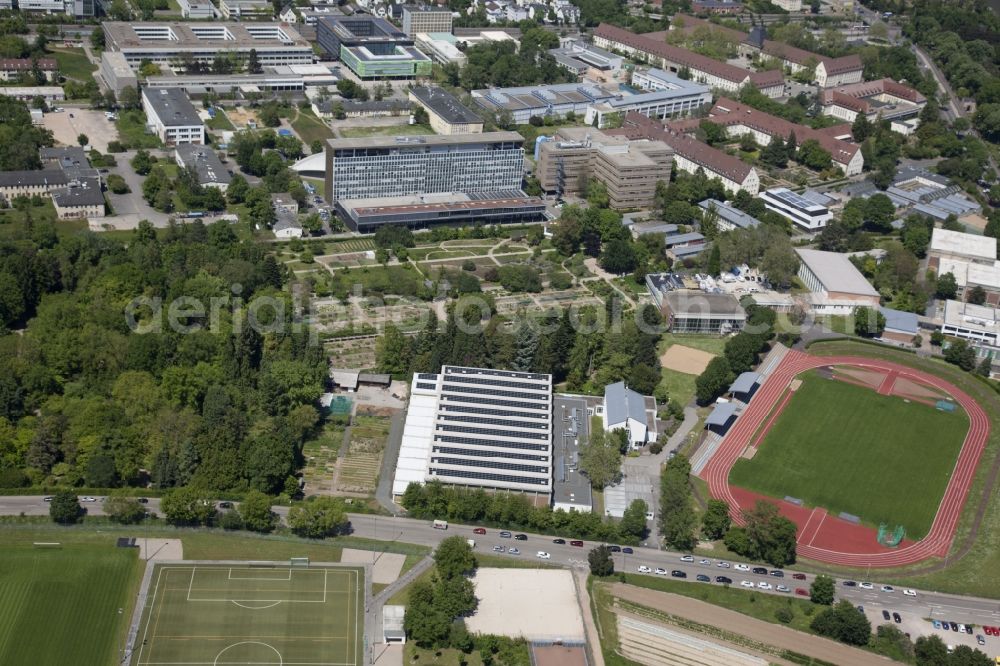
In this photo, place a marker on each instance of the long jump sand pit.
(688, 360)
(536, 604)
(386, 568)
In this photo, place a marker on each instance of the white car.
(866, 586)
(513, 551)
(746, 583)
(660, 571)
(687, 558)
(542, 555)
(782, 588)
(644, 569)
(910, 593)
(723, 565)
(765, 586)
(705, 563)
(888, 588)
(88, 499)
(742, 567)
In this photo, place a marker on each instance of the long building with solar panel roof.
(481, 428)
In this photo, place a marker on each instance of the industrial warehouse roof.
(897, 320)
(836, 272)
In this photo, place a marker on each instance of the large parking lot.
(67, 125)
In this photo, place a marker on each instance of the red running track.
(938, 539)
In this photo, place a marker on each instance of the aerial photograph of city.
(499, 332)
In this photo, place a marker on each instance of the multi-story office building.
(371, 47)
(172, 117)
(807, 214)
(672, 97)
(628, 169)
(117, 73)
(166, 43)
(386, 166)
(479, 428)
(196, 9)
(254, 10)
(426, 19)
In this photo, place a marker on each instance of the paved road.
(926, 604)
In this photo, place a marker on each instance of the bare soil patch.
(688, 360)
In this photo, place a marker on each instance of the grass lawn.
(220, 121)
(132, 130)
(755, 604)
(73, 63)
(391, 130)
(61, 606)
(310, 128)
(847, 448)
(225, 614)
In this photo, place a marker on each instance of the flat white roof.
(414, 452)
(836, 272)
(981, 318)
(966, 272)
(969, 245)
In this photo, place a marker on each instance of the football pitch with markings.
(222, 614)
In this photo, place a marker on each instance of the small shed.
(392, 624)
(721, 417)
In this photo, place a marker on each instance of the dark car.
(521, 537)
(885, 615)
(615, 549)
(627, 550)
(559, 541)
(505, 535)
(778, 573)
(799, 576)
(725, 580)
(896, 618)
(702, 578)
(953, 626)
(760, 571)
(142, 500)
(861, 609)
(677, 573)
(577, 543)
(225, 505)
(849, 583)
(968, 629)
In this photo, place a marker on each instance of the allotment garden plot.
(223, 615)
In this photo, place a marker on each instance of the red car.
(479, 530)
(799, 576)
(576, 543)
(802, 592)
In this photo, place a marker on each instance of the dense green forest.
(85, 400)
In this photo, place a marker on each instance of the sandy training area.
(688, 360)
(160, 549)
(537, 604)
(387, 565)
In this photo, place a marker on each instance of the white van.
(440, 524)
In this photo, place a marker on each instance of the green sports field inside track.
(221, 614)
(847, 448)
